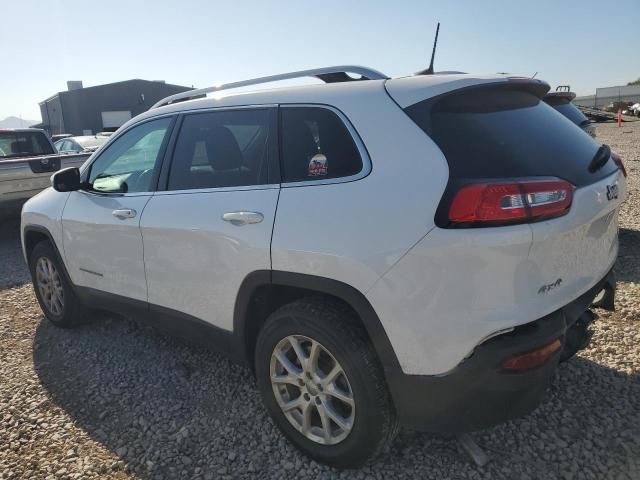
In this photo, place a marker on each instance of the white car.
(415, 251)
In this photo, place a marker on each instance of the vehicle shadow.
(149, 398)
(629, 241)
(13, 268)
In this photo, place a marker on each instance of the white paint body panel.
(45, 210)
(96, 241)
(195, 261)
(458, 287)
(355, 231)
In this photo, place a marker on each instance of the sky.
(582, 43)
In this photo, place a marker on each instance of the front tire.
(52, 288)
(322, 383)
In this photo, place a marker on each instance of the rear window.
(569, 110)
(24, 144)
(501, 132)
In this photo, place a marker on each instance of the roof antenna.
(429, 71)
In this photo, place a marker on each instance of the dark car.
(562, 102)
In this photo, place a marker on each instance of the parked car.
(380, 252)
(562, 102)
(86, 143)
(634, 110)
(27, 160)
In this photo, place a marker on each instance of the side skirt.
(171, 322)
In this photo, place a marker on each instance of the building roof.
(109, 85)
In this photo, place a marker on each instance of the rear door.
(212, 224)
(101, 223)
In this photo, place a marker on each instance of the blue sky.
(200, 43)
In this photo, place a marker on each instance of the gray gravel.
(112, 399)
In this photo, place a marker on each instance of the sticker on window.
(318, 165)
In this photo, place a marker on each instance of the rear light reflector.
(618, 161)
(511, 201)
(532, 359)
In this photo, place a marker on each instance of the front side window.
(127, 165)
(222, 149)
(316, 145)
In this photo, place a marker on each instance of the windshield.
(23, 144)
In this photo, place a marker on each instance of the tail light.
(511, 201)
(618, 161)
(533, 358)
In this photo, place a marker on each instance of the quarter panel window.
(316, 145)
(222, 149)
(128, 164)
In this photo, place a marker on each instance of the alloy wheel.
(50, 285)
(312, 390)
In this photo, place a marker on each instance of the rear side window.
(223, 149)
(501, 132)
(316, 145)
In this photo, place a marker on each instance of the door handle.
(123, 213)
(242, 218)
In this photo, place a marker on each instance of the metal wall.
(79, 110)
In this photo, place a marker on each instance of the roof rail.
(326, 74)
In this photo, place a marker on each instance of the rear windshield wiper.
(600, 158)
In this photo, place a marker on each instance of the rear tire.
(52, 288)
(344, 414)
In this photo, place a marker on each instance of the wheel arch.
(264, 291)
(34, 234)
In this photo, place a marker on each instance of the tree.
(635, 82)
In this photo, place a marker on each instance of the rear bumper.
(478, 393)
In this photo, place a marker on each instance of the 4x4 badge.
(612, 191)
(547, 288)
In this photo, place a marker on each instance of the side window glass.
(222, 149)
(127, 165)
(316, 145)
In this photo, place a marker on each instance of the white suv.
(418, 251)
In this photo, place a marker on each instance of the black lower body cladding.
(479, 393)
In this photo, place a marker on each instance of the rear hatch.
(501, 137)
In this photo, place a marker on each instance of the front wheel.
(53, 291)
(322, 383)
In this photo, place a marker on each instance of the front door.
(212, 225)
(101, 223)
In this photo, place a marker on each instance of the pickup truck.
(27, 160)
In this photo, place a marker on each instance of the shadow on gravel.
(171, 410)
(627, 269)
(13, 269)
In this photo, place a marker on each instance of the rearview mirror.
(66, 180)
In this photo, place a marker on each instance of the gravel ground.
(113, 399)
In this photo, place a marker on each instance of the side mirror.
(66, 180)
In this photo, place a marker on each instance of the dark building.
(86, 111)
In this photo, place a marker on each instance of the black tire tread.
(339, 318)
